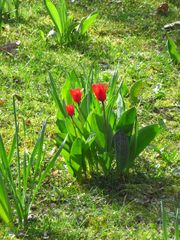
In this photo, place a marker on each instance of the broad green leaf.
(113, 99)
(65, 92)
(87, 22)
(145, 136)
(62, 10)
(85, 106)
(76, 148)
(76, 155)
(120, 106)
(133, 145)
(97, 126)
(122, 150)
(172, 48)
(135, 90)
(61, 124)
(53, 12)
(126, 122)
(70, 126)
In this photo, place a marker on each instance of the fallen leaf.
(2, 102)
(55, 173)
(10, 47)
(163, 9)
(28, 122)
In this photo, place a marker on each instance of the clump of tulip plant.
(68, 29)
(102, 135)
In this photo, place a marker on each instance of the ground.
(128, 34)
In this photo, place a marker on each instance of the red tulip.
(76, 94)
(100, 91)
(70, 110)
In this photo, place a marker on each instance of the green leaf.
(70, 127)
(164, 223)
(65, 92)
(113, 85)
(53, 12)
(111, 103)
(87, 22)
(10, 156)
(126, 122)
(76, 155)
(120, 106)
(76, 148)
(48, 168)
(39, 151)
(56, 98)
(177, 226)
(62, 10)
(145, 136)
(5, 211)
(133, 145)
(122, 150)
(173, 52)
(85, 106)
(135, 91)
(90, 139)
(61, 124)
(105, 161)
(4, 164)
(97, 126)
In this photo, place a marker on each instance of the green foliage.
(173, 52)
(5, 211)
(7, 9)
(67, 28)
(23, 184)
(165, 228)
(82, 212)
(136, 90)
(100, 136)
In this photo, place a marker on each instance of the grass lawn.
(127, 34)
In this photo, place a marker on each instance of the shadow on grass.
(137, 18)
(142, 188)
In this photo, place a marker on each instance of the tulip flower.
(100, 91)
(70, 110)
(76, 94)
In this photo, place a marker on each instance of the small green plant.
(2, 6)
(21, 179)
(67, 28)
(173, 52)
(165, 231)
(102, 135)
(7, 8)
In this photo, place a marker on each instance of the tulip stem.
(103, 106)
(105, 125)
(74, 126)
(80, 113)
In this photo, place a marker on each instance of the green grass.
(128, 33)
